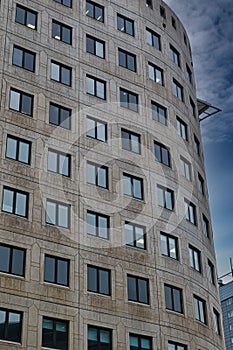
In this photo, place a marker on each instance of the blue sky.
(209, 25)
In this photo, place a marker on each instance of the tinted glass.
(63, 216)
(47, 333)
(49, 269)
(24, 152)
(2, 324)
(132, 288)
(137, 189)
(11, 148)
(18, 262)
(53, 114)
(21, 204)
(4, 259)
(26, 104)
(92, 279)
(62, 272)
(127, 187)
(90, 45)
(177, 300)
(91, 224)
(20, 15)
(51, 213)
(52, 161)
(17, 57)
(100, 89)
(14, 100)
(143, 291)
(31, 20)
(8, 196)
(14, 327)
(104, 282)
(56, 33)
(65, 118)
(29, 61)
(65, 76)
(66, 35)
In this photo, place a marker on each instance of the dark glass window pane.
(103, 282)
(20, 15)
(26, 104)
(137, 188)
(91, 224)
(131, 62)
(11, 148)
(24, 152)
(53, 114)
(8, 197)
(90, 45)
(122, 59)
(142, 291)
(18, 57)
(89, 10)
(65, 118)
(129, 27)
(62, 272)
(120, 24)
(177, 300)
(61, 335)
(2, 323)
(102, 177)
(123, 98)
(29, 61)
(92, 279)
(103, 226)
(18, 262)
(168, 297)
(31, 20)
(21, 204)
(14, 327)
(47, 334)
(99, 14)
(52, 161)
(49, 269)
(56, 33)
(4, 259)
(65, 76)
(66, 35)
(67, 3)
(132, 288)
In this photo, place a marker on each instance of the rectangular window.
(138, 289)
(67, 3)
(201, 184)
(139, 342)
(165, 198)
(230, 314)
(21, 102)
(155, 74)
(216, 318)
(174, 55)
(173, 298)
(189, 74)
(18, 149)
(132, 186)
(196, 145)
(57, 214)
(59, 115)
(99, 338)
(176, 346)
(178, 90)
(182, 129)
(135, 235)
(210, 272)
(185, 168)
(96, 87)
(200, 309)
(55, 333)
(162, 154)
(206, 226)
(149, 4)
(195, 258)
(61, 73)
(95, 11)
(15, 201)
(26, 17)
(98, 280)
(125, 25)
(96, 129)
(95, 46)
(229, 301)
(190, 212)
(162, 12)
(56, 270)
(153, 39)
(12, 260)
(98, 224)
(192, 107)
(159, 113)
(97, 175)
(61, 32)
(130, 141)
(127, 60)
(11, 325)
(24, 58)
(173, 22)
(128, 100)
(59, 162)
(169, 245)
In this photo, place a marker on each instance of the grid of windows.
(24, 58)
(96, 87)
(138, 289)
(153, 39)
(195, 258)
(55, 333)
(125, 25)
(190, 212)
(130, 141)
(128, 100)
(59, 162)
(15, 201)
(140, 342)
(10, 325)
(12, 260)
(96, 129)
(95, 46)
(178, 90)
(162, 154)
(185, 168)
(165, 198)
(169, 245)
(59, 115)
(127, 60)
(159, 113)
(97, 175)
(57, 214)
(61, 73)
(56, 270)
(18, 149)
(67, 3)
(26, 17)
(135, 235)
(173, 298)
(62, 32)
(99, 338)
(155, 74)
(98, 280)
(97, 224)
(200, 309)
(95, 11)
(21, 102)
(182, 129)
(132, 186)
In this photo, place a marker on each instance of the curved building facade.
(105, 233)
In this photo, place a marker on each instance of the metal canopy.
(206, 109)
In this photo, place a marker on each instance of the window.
(231, 329)
(26, 17)
(130, 141)
(95, 46)
(201, 184)
(18, 149)
(165, 198)
(62, 32)
(192, 107)
(138, 289)
(216, 318)
(11, 325)
(189, 74)
(97, 224)
(169, 245)
(67, 3)
(132, 186)
(24, 58)
(59, 162)
(135, 235)
(195, 258)
(155, 73)
(162, 154)
(95, 11)
(99, 338)
(173, 298)
(185, 168)
(174, 55)
(98, 280)
(15, 201)
(139, 342)
(206, 226)
(176, 346)
(128, 100)
(200, 309)
(159, 113)
(127, 60)
(196, 145)
(230, 314)
(21, 102)
(178, 90)
(97, 175)
(61, 73)
(182, 129)
(96, 87)
(59, 115)
(55, 333)
(96, 129)
(190, 212)
(210, 272)
(153, 39)
(12, 260)
(229, 301)
(125, 25)
(185, 39)
(57, 214)
(162, 12)
(173, 22)
(56, 270)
